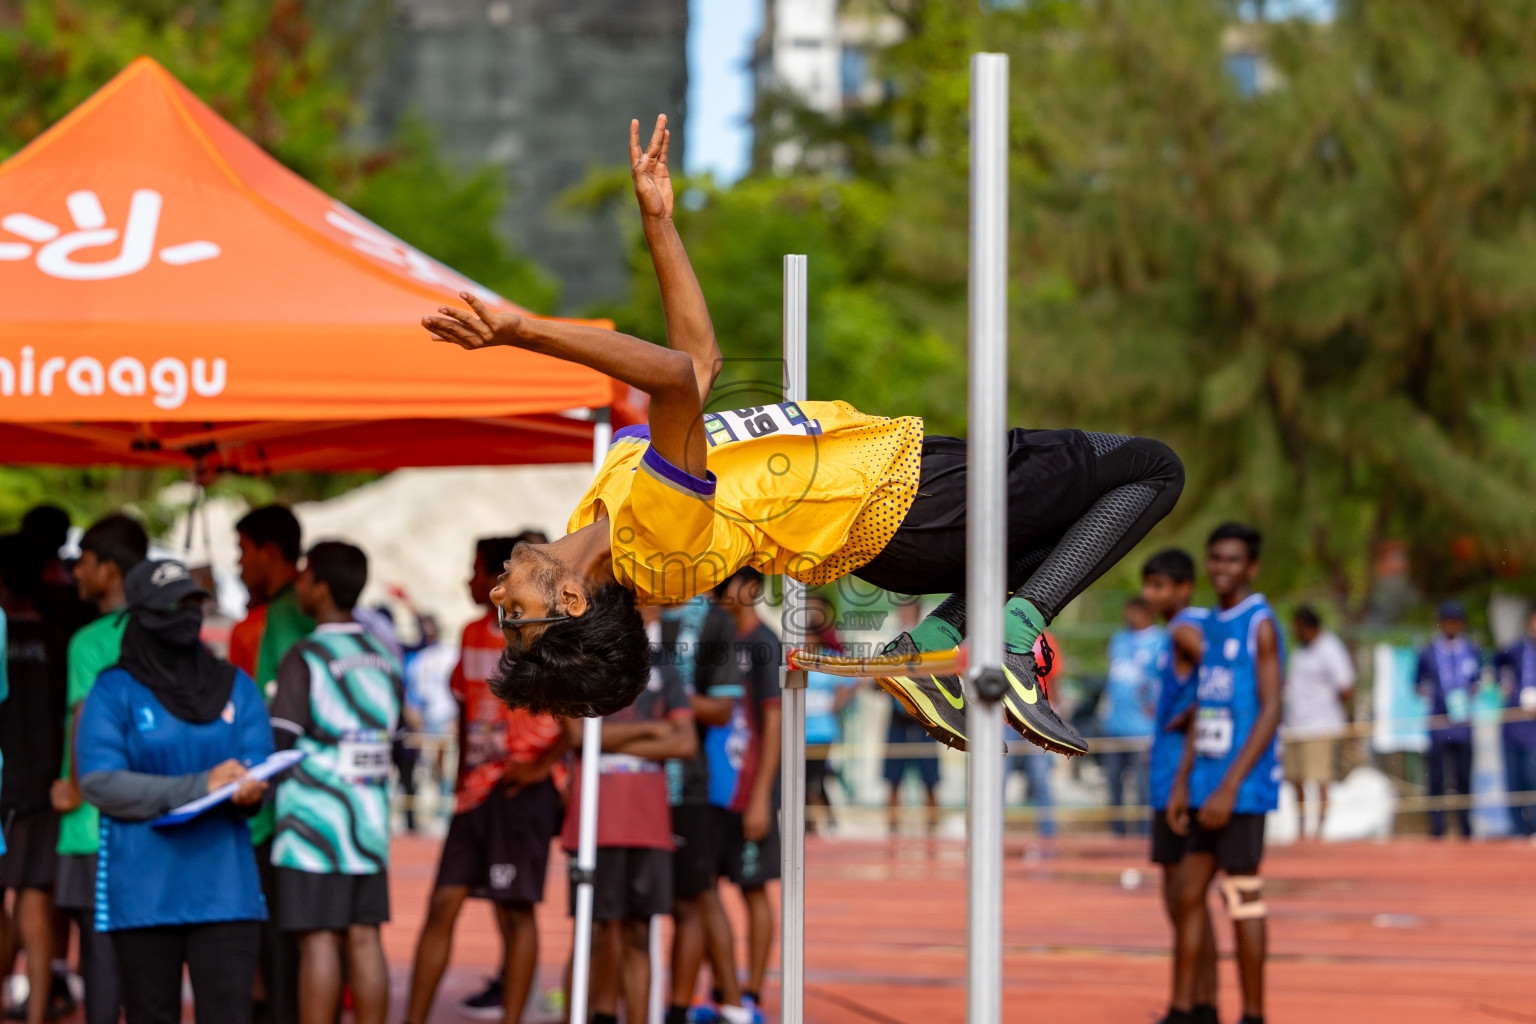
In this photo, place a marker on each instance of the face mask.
(178, 627)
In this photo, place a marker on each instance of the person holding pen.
(167, 724)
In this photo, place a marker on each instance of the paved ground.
(1397, 933)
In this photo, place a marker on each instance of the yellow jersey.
(811, 489)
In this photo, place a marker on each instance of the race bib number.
(363, 755)
(1458, 705)
(757, 421)
(1213, 732)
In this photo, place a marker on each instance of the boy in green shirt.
(270, 544)
(114, 545)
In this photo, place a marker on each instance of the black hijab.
(161, 649)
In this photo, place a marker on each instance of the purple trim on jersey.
(639, 432)
(676, 478)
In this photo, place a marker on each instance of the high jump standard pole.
(986, 531)
(792, 720)
(586, 842)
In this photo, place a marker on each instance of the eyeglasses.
(502, 622)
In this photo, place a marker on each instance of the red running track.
(1406, 932)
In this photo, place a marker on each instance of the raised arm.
(677, 379)
(665, 374)
(682, 300)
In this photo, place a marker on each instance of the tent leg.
(792, 763)
(986, 500)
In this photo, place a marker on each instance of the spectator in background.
(47, 526)
(270, 542)
(633, 879)
(909, 737)
(1127, 706)
(429, 698)
(1449, 668)
(338, 700)
(825, 698)
(744, 779)
(1516, 666)
(506, 811)
(698, 638)
(167, 724)
(1319, 689)
(821, 625)
(109, 551)
(32, 736)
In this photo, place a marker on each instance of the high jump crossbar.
(986, 547)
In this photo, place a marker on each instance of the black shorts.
(631, 882)
(748, 865)
(1238, 848)
(696, 863)
(1052, 482)
(499, 850)
(76, 887)
(311, 902)
(31, 859)
(1167, 845)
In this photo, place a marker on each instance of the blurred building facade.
(817, 55)
(543, 89)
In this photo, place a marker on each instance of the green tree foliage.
(264, 66)
(1318, 291)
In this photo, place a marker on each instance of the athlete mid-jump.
(817, 490)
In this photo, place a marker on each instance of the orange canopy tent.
(172, 295)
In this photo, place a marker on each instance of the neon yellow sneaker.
(937, 702)
(1027, 706)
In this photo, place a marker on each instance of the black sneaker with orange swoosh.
(937, 702)
(1027, 706)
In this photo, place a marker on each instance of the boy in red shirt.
(507, 809)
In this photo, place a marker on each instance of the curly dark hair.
(586, 666)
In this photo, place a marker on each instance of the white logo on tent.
(375, 241)
(56, 250)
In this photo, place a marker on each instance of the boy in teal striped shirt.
(339, 694)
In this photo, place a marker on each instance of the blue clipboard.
(274, 765)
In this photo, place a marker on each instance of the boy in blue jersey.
(1167, 580)
(1127, 704)
(1229, 776)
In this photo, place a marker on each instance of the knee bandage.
(1245, 897)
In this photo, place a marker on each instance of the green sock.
(1022, 625)
(935, 634)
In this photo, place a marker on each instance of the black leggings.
(220, 959)
(98, 966)
(1077, 503)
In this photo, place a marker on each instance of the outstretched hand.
(479, 329)
(648, 167)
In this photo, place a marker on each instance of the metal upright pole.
(586, 842)
(986, 524)
(792, 764)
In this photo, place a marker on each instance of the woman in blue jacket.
(167, 724)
